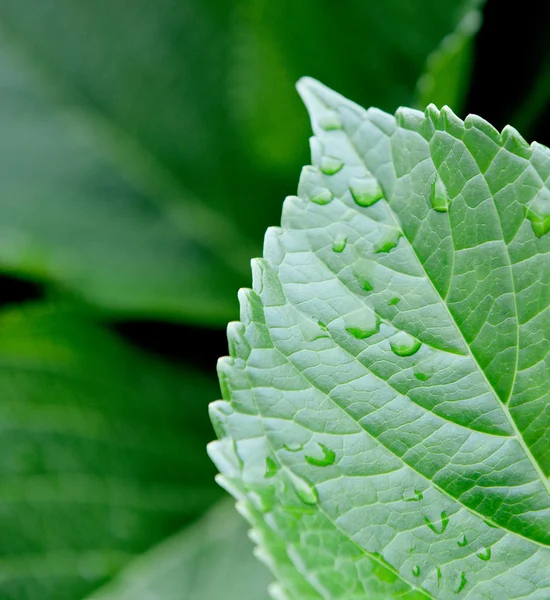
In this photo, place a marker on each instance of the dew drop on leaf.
(331, 165)
(394, 301)
(484, 554)
(439, 197)
(462, 583)
(403, 344)
(340, 243)
(365, 190)
(538, 212)
(362, 324)
(421, 376)
(441, 526)
(388, 245)
(416, 571)
(413, 496)
(329, 120)
(462, 541)
(321, 196)
(270, 468)
(329, 456)
(293, 447)
(305, 491)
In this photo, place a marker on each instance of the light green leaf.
(135, 138)
(102, 454)
(398, 332)
(208, 561)
(445, 80)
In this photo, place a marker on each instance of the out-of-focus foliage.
(208, 561)
(146, 146)
(102, 453)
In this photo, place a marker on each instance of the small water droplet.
(439, 576)
(329, 120)
(412, 549)
(403, 344)
(293, 447)
(443, 523)
(365, 190)
(322, 325)
(463, 541)
(538, 212)
(439, 196)
(271, 468)
(321, 196)
(491, 525)
(413, 496)
(340, 243)
(305, 491)
(329, 456)
(394, 301)
(462, 583)
(416, 571)
(362, 324)
(484, 554)
(388, 244)
(366, 285)
(421, 376)
(331, 165)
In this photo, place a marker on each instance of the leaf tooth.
(451, 123)
(515, 143)
(252, 310)
(237, 342)
(265, 283)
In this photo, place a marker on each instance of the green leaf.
(102, 454)
(210, 560)
(135, 138)
(416, 352)
(445, 80)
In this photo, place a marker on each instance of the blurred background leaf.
(147, 146)
(209, 561)
(102, 453)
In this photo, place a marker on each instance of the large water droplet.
(271, 468)
(305, 491)
(340, 243)
(365, 190)
(362, 324)
(387, 245)
(538, 212)
(329, 120)
(463, 541)
(484, 554)
(331, 165)
(416, 571)
(413, 496)
(439, 196)
(403, 344)
(440, 528)
(462, 583)
(329, 456)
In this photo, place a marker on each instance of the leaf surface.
(386, 398)
(102, 454)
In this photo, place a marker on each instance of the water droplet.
(312, 186)
(366, 285)
(538, 212)
(362, 324)
(329, 120)
(462, 583)
(389, 244)
(365, 190)
(321, 196)
(293, 447)
(329, 456)
(443, 523)
(340, 243)
(484, 554)
(403, 344)
(416, 571)
(439, 576)
(412, 549)
(462, 541)
(363, 334)
(439, 196)
(491, 525)
(421, 376)
(271, 468)
(322, 325)
(413, 496)
(331, 165)
(394, 301)
(305, 491)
